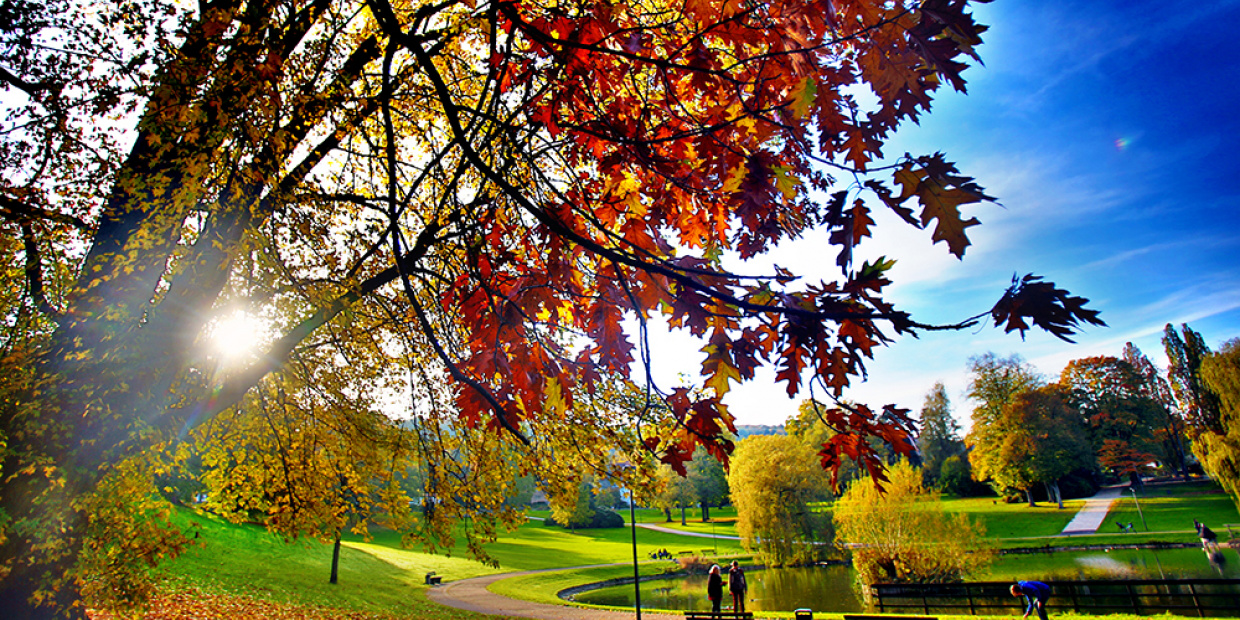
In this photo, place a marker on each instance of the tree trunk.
(667, 513)
(1052, 490)
(33, 567)
(335, 558)
(705, 512)
(682, 514)
(1029, 496)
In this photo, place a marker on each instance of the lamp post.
(637, 582)
(1139, 513)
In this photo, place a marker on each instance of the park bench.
(432, 579)
(723, 615)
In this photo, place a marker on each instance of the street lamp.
(1141, 514)
(637, 582)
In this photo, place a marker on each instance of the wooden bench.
(432, 579)
(724, 615)
(893, 617)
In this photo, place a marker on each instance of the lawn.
(1019, 521)
(246, 561)
(1172, 508)
(380, 577)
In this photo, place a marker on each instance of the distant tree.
(956, 478)
(709, 480)
(994, 383)
(1155, 386)
(1123, 418)
(1184, 356)
(774, 481)
(939, 438)
(1219, 452)
(1042, 440)
(678, 492)
(902, 534)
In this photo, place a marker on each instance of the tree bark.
(335, 558)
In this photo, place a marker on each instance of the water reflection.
(1182, 563)
(823, 588)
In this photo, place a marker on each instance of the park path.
(473, 595)
(1093, 513)
(668, 530)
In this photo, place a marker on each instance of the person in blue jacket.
(1036, 594)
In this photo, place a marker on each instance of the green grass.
(378, 575)
(1016, 522)
(248, 561)
(1172, 508)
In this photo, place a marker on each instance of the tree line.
(1104, 418)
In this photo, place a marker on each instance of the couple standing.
(736, 584)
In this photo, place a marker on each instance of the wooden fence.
(1197, 597)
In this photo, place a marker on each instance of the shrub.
(903, 534)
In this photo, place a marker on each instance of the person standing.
(737, 586)
(1036, 594)
(714, 588)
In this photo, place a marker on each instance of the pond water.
(785, 589)
(831, 588)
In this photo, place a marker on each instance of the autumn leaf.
(1048, 307)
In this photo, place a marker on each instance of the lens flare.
(1121, 144)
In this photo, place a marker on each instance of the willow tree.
(1219, 451)
(480, 192)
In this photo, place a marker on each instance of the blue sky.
(1108, 131)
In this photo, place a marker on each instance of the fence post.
(1136, 602)
(969, 593)
(1196, 602)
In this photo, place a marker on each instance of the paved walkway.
(1093, 513)
(473, 595)
(668, 530)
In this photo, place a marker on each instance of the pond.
(831, 589)
(819, 588)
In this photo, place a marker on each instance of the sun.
(235, 336)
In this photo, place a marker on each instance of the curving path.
(473, 595)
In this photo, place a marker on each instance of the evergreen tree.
(1156, 387)
(1184, 357)
(939, 438)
